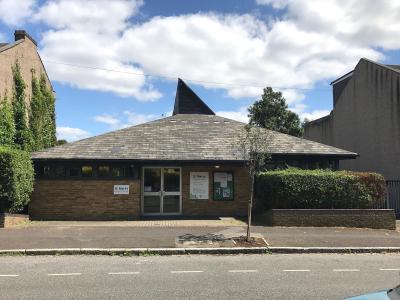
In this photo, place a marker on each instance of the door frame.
(161, 193)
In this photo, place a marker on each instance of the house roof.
(187, 102)
(196, 135)
(395, 68)
(182, 137)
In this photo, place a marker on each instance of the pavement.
(311, 276)
(44, 235)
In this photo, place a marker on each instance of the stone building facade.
(23, 50)
(365, 119)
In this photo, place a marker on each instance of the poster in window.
(199, 185)
(223, 186)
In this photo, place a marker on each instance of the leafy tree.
(36, 117)
(61, 142)
(49, 118)
(22, 136)
(7, 126)
(272, 112)
(253, 150)
(42, 115)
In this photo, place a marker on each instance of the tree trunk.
(249, 209)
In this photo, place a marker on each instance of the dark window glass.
(129, 171)
(116, 172)
(74, 171)
(152, 180)
(59, 171)
(172, 180)
(87, 171)
(46, 171)
(103, 171)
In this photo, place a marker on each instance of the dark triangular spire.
(187, 102)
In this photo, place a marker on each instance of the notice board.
(223, 186)
(199, 185)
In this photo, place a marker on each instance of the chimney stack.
(21, 35)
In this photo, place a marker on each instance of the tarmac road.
(307, 276)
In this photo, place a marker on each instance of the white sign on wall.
(121, 189)
(199, 185)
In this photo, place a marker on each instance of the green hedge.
(319, 189)
(16, 179)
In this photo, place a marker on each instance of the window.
(103, 171)
(87, 171)
(74, 171)
(59, 172)
(129, 171)
(116, 172)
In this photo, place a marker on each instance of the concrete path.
(311, 276)
(76, 236)
(217, 222)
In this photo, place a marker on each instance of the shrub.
(7, 125)
(16, 179)
(319, 189)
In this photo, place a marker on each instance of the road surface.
(307, 276)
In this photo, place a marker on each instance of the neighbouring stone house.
(23, 50)
(366, 119)
(185, 164)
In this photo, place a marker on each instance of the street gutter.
(188, 251)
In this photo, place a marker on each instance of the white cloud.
(85, 33)
(14, 12)
(240, 115)
(125, 119)
(240, 50)
(106, 119)
(313, 41)
(315, 114)
(358, 22)
(71, 134)
(134, 118)
(94, 15)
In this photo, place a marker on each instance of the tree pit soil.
(242, 241)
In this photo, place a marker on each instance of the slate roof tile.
(182, 137)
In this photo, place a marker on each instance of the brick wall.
(209, 207)
(11, 220)
(84, 200)
(361, 218)
(94, 199)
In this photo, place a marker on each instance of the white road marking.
(346, 270)
(194, 271)
(243, 271)
(297, 270)
(389, 269)
(9, 275)
(123, 273)
(64, 274)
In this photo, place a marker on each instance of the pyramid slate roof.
(191, 134)
(187, 102)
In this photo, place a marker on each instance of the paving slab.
(41, 237)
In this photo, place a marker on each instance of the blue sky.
(97, 52)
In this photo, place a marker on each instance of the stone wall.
(209, 207)
(361, 218)
(11, 220)
(84, 200)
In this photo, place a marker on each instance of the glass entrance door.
(161, 191)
